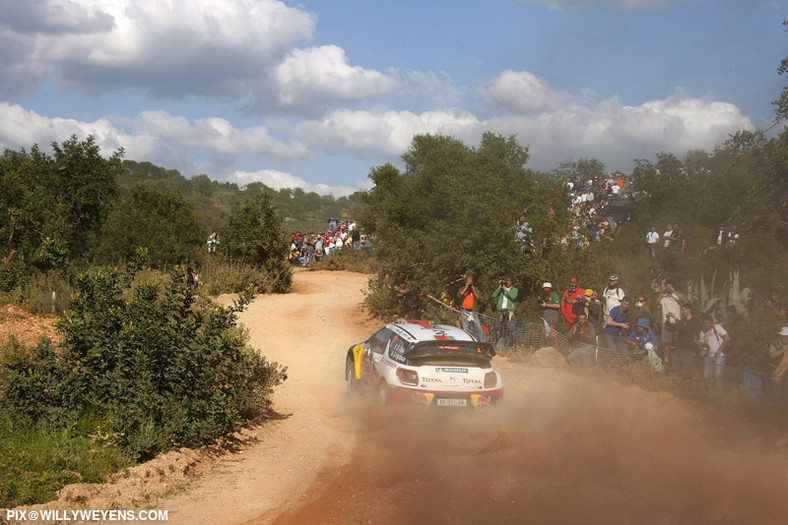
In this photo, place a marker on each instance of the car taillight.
(408, 377)
(490, 380)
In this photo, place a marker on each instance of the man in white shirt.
(713, 340)
(667, 237)
(652, 238)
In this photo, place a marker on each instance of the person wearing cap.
(593, 307)
(612, 295)
(778, 353)
(644, 344)
(617, 321)
(551, 305)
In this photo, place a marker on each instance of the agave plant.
(719, 302)
(738, 298)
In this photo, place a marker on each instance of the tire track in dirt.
(306, 330)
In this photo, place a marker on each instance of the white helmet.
(547, 285)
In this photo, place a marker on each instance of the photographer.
(504, 297)
(467, 298)
(644, 344)
(670, 302)
(713, 341)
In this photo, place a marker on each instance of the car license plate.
(452, 402)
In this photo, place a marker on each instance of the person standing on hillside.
(213, 242)
(670, 302)
(468, 298)
(612, 334)
(713, 340)
(568, 301)
(687, 346)
(551, 305)
(612, 295)
(667, 237)
(778, 353)
(505, 296)
(652, 239)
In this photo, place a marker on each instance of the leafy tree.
(161, 222)
(253, 236)
(54, 205)
(454, 211)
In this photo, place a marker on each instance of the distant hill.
(300, 210)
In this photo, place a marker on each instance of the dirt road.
(564, 448)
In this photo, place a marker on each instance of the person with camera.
(568, 300)
(670, 302)
(593, 307)
(505, 296)
(644, 345)
(713, 340)
(468, 298)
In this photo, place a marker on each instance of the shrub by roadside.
(349, 260)
(140, 357)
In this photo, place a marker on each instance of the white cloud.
(278, 180)
(523, 92)
(378, 133)
(609, 131)
(616, 134)
(211, 145)
(168, 47)
(322, 75)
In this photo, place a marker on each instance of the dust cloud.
(562, 448)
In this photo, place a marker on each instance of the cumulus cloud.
(523, 92)
(322, 75)
(167, 48)
(616, 134)
(609, 131)
(278, 180)
(375, 133)
(54, 17)
(210, 145)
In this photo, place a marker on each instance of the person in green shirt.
(504, 297)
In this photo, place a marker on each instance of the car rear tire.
(384, 394)
(350, 377)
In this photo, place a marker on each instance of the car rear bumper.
(418, 396)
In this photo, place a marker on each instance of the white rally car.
(424, 363)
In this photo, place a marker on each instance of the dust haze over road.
(563, 448)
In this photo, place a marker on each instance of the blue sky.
(315, 93)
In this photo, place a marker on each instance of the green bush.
(349, 260)
(219, 276)
(141, 357)
(46, 293)
(37, 459)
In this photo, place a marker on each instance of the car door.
(374, 350)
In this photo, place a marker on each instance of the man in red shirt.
(568, 301)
